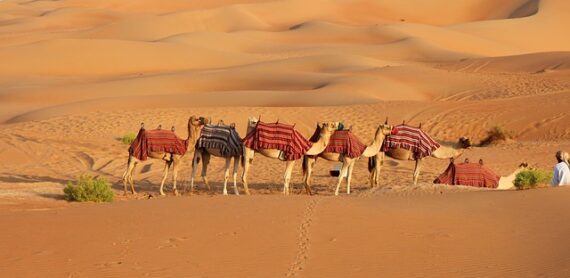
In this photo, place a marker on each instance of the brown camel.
(232, 141)
(445, 151)
(194, 126)
(326, 130)
(347, 162)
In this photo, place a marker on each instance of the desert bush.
(128, 138)
(497, 134)
(89, 189)
(532, 178)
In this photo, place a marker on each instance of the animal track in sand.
(304, 241)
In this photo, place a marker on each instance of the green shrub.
(532, 178)
(89, 189)
(128, 138)
(497, 134)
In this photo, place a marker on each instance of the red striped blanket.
(470, 174)
(344, 142)
(278, 136)
(410, 138)
(157, 141)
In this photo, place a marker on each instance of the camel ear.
(386, 121)
(172, 129)
(319, 125)
(233, 125)
(481, 161)
(142, 125)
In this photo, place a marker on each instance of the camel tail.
(130, 157)
(305, 161)
(371, 163)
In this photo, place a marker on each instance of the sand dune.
(77, 75)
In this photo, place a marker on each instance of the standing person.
(561, 170)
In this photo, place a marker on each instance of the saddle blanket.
(469, 174)
(278, 136)
(157, 140)
(222, 137)
(412, 139)
(344, 142)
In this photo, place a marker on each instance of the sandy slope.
(491, 234)
(76, 75)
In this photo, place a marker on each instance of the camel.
(508, 182)
(205, 153)
(445, 151)
(326, 130)
(194, 125)
(347, 163)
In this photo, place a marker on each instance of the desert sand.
(77, 75)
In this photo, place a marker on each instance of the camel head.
(385, 129)
(251, 124)
(196, 121)
(328, 127)
(464, 142)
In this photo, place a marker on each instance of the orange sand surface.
(77, 75)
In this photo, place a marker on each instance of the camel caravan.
(330, 141)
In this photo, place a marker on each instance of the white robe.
(561, 174)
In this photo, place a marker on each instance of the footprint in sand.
(304, 242)
(172, 242)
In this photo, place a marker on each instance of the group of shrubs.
(89, 189)
(531, 178)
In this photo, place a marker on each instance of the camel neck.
(320, 146)
(450, 151)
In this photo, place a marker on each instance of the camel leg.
(131, 178)
(247, 158)
(341, 177)
(350, 163)
(166, 167)
(205, 163)
(381, 158)
(310, 162)
(417, 170)
(236, 166)
(288, 171)
(227, 174)
(375, 173)
(175, 165)
(127, 176)
(195, 161)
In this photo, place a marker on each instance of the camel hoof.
(225, 193)
(162, 194)
(176, 193)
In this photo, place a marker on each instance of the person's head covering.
(562, 156)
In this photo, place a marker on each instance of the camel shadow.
(32, 179)
(53, 196)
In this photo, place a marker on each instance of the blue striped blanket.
(222, 137)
